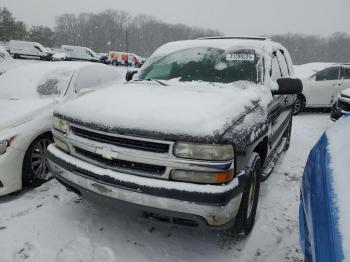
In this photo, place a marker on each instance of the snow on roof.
(339, 150)
(221, 43)
(23, 80)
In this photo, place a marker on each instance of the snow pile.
(4, 55)
(308, 70)
(191, 108)
(339, 150)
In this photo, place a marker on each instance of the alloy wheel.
(39, 162)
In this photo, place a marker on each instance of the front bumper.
(216, 205)
(341, 108)
(11, 171)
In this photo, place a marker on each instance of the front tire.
(299, 105)
(245, 218)
(35, 165)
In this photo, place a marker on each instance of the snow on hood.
(17, 112)
(192, 108)
(346, 92)
(339, 150)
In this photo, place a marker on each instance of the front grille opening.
(185, 222)
(174, 220)
(122, 164)
(122, 142)
(157, 217)
(343, 105)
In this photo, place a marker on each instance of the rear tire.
(299, 105)
(245, 218)
(35, 165)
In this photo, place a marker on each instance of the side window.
(346, 73)
(283, 63)
(275, 72)
(88, 52)
(37, 48)
(328, 74)
(96, 76)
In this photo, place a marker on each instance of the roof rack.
(235, 37)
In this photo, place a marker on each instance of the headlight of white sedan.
(4, 144)
(204, 151)
(60, 124)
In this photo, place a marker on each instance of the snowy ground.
(51, 224)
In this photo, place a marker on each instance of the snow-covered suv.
(187, 141)
(342, 105)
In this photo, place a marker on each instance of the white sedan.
(322, 89)
(28, 95)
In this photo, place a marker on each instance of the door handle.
(286, 99)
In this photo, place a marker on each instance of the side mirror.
(288, 86)
(129, 75)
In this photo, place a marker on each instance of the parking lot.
(50, 224)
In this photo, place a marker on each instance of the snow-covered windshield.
(205, 64)
(26, 83)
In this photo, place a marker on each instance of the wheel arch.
(262, 149)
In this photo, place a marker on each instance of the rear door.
(325, 87)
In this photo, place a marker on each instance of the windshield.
(36, 85)
(205, 64)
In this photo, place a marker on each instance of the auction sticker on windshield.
(240, 57)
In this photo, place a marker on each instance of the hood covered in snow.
(195, 109)
(17, 112)
(346, 92)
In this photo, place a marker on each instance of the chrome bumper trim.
(214, 215)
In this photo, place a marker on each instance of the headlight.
(4, 144)
(204, 151)
(61, 145)
(202, 177)
(60, 124)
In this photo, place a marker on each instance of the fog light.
(61, 145)
(202, 177)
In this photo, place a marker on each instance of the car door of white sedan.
(346, 78)
(324, 87)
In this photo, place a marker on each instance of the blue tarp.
(318, 214)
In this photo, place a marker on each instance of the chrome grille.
(121, 141)
(343, 105)
(122, 165)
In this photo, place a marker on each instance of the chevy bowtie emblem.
(107, 153)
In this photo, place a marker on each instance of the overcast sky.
(233, 17)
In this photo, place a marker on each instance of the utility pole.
(127, 42)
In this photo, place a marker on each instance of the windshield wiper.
(155, 80)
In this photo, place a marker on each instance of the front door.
(324, 87)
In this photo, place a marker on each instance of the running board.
(271, 161)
